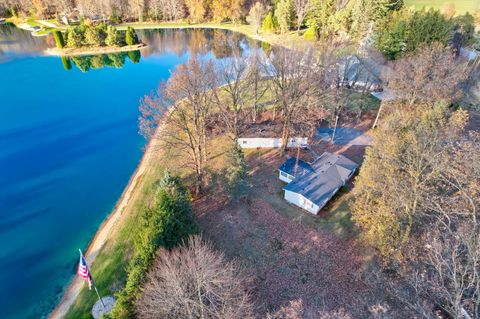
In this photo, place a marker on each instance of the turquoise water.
(69, 143)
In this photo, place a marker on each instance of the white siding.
(302, 202)
(287, 178)
(265, 142)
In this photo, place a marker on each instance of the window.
(244, 142)
(284, 174)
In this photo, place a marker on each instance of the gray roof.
(289, 167)
(330, 172)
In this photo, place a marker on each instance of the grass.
(461, 6)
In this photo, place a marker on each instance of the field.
(462, 6)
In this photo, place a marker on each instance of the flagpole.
(93, 283)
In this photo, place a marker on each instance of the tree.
(258, 85)
(270, 23)
(284, 14)
(167, 223)
(301, 8)
(255, 15)
(293, 76)
(431, 75)
(194, 281)
(93, 36)
(407, 31)
(74, 37)
(59, 41)
(130, 36)
(221, 10)
(405, 160)
(237, 172)
(113, 37)
(196, 9)
(232, 95)
(189, 95)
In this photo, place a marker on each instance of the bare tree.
(233, 91)
(194, 281)
(293, 76)
(255, 15)
(430, 75)
(259, 85)
(189, 95)
(302, 7)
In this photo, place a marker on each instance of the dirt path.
(109, 225)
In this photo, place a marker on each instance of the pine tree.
(113, 37)
(237, 172)
(130, 36)
(284, 14)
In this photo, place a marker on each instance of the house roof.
(329, 172)
(289, 167)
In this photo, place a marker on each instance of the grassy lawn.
(462, 6)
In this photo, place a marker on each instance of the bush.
(168, 223)
(130, 36)
(59, 41)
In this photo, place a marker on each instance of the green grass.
(462, 6)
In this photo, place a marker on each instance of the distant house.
(358, 74)
(312, 185)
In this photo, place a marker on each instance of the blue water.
(69, 143)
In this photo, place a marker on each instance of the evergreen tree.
(93, 37)
(237, 172)
(131, 36)
(113, 37)
(74, 37)
(284, 14)
(270, 23)
(59, 41)
(167, 224)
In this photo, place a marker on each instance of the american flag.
(84, 272)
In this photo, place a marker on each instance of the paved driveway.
(344, 136)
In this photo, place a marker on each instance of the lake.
(69, 143)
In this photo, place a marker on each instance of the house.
(311, 185)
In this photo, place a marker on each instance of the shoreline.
(108, 225)
(92, 51)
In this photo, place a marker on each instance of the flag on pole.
(84, 272)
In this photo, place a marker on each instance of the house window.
(284, 174)
(244, 142)
(307, 203)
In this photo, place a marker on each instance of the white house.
(271, 142)
(311, 186)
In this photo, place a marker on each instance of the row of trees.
(95, 36)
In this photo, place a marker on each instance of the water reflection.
(16, 43)
(92, 62)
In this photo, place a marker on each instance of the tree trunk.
(378, 116)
